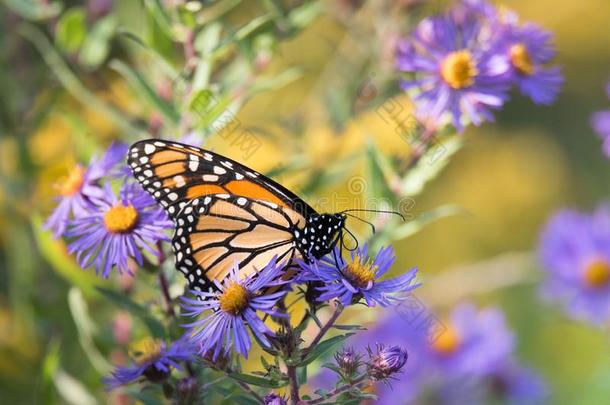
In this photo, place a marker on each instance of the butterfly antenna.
(375, 211)
(362, 220)
(354, 238)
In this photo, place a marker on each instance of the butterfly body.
(227, 214)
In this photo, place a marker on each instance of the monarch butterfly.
(226, 213)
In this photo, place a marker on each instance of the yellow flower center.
(234, 299)
(145, 350)
(448, 342)
(73, 182)
(361, 273)
(521, 60)
(458, 69)
(597, 273)
(121, 218)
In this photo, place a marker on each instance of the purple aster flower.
(515, 384)
(153, 360)
(274, 399)
(117, 228)
(223, 315)
(358, 279)
(81, 187)
(455, 70)
(575, 253)
(472, 345)
(386, 361)
(529, 50)
(600, 121)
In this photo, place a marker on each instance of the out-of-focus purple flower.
(474, 342)
(274, 399)
(474, 345)
(386, 361)
(227, 312)
(455, 69)
(575, 253)
(600, 121)
(529, 50)
(81, 188)
(515, 384)
(153, 360)
(115, 229)
(358, 279)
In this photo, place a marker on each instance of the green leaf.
(154, 325)
(71, 30)
(430, 165)
(96, 47)
(163, 63)
(71, 390)
(243, 399)
(55, 254)
(349, 327)
(34, 10)
(146, 397)
(251, 27)
(208, 39)
(324, 347)
(86, 330)
(141, 86)
(160, 16)
(71, 82)
(378, 186)
(302, 375)
(302, 16)
(258, 381)
(277, 81)
(410, 228)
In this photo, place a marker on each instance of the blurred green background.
(508, 177)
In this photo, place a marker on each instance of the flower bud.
(186, 390)
(274, 399)
(348, 360)
(387, 360)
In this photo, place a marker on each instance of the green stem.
(337, 391)
(324, 329)
(69, 80)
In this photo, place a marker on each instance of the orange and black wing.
(216, 232)
(175, 174)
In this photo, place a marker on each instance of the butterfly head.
(321, 234)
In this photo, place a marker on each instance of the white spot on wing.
(210, 177)
(179, 180)
(148, 148)
(219, 170)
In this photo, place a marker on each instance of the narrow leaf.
(258, 381)
(154, 325)
(139, 83)
(324, 347)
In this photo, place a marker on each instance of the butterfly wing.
(216, 232)
(175, 174)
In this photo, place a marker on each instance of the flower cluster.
(575, 253)
(105, 229)
(462, 64)
(471, 361)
